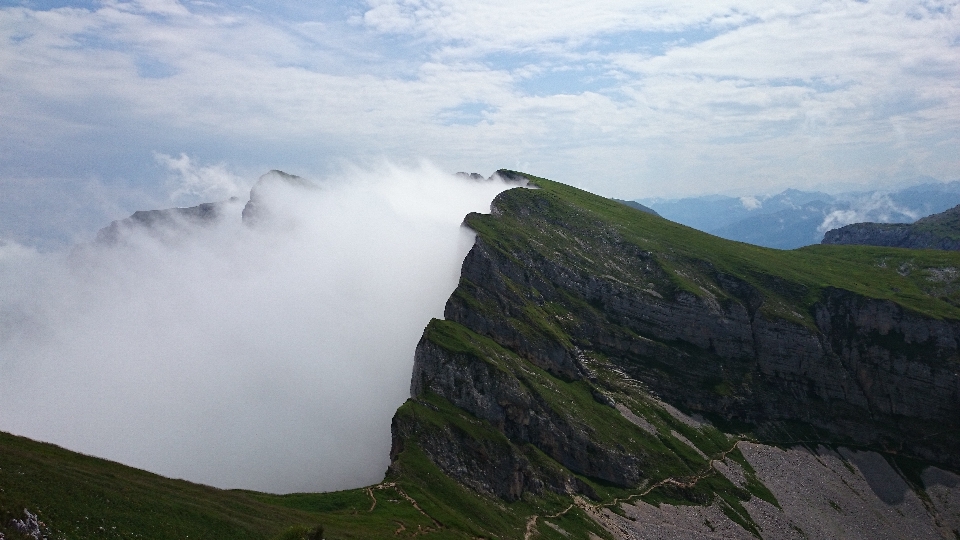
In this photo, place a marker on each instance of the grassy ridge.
(78, 496)
(676, 451)
(924, 281)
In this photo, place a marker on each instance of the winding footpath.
(595, 510)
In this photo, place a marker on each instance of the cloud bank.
(876, 207)
(267, 357)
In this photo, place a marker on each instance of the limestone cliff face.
(525, 418)
(869, 370)
(844, 367)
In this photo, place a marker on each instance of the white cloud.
(270, 357)
(156, 7)
(750, 203)
(500, 24)
(204, 183)
(875, 207)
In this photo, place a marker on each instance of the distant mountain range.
(795, 218)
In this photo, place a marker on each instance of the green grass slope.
(79, 497)
(924, 281)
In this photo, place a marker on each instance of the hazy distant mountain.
(171, 224)
(795, 218)
(784, 229)
(254, 211)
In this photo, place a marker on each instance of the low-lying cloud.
(212, 182)
(268, 357)
(876, 207)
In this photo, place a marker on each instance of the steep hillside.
(601, 372)
(577, 320)
(939, 231)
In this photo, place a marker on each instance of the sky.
(100, 101)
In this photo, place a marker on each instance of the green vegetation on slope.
(677, 456)
(943, 225)
(924, 281)
(84, 497)
(79, 497)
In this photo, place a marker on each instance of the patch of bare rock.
(823, 494)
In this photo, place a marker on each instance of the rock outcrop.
(170, 222)
(939, 231)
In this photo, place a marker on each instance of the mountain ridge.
(604, 373)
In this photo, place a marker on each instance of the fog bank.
(268, 357)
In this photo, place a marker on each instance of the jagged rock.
(497, 395)
(164, 223)
(510, 177)
(472, 176)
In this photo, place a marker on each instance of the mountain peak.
(254, 210)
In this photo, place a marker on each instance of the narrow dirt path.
(532, 521)
(413, 502)
(594, 509)
(402, 493)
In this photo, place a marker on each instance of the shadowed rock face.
(850, 369)
(939, 231)
(500, 398)
(870, 371)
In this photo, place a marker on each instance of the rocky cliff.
(938, 231)
(579, 324)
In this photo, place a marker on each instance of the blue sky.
(632, 99)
